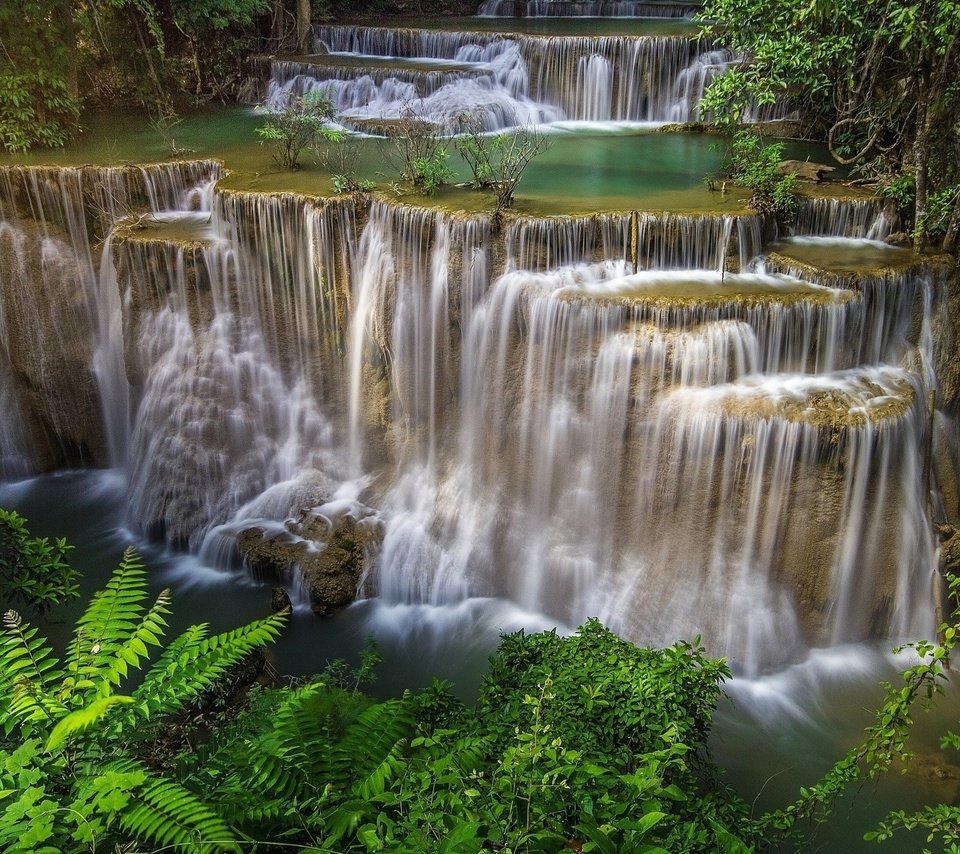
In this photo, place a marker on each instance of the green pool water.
(586, 169)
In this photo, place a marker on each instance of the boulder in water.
(804, 170)
(327, 549)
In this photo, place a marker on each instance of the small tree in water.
(302, 122)
(497, 161)
(419, 150)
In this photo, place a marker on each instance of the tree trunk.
(921, 146)
(70, 40)
(278, 28)
(953, 229)
(304, 15)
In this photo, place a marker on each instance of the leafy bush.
(583, 742)
(942, 208)
(350, 183)
(33, 570)
(755, 165)
(39, 105)
(419, 151)
(900, 189)
(301, 122)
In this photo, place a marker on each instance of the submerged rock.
(327, 549)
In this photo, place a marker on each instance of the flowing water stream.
(641, 415)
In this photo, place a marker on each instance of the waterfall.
(373, 74)
(238, 348)
(55, 216)
(592, 8)
(857, 217)
(614, 415)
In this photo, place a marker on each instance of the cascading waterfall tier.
(598, 407)
(67, 402)
(235, 347)
(588, 416)
(854, 218)
(591, 9)
(505, 80)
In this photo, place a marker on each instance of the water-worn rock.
(898, 238)
(805, 170)
(329, 552)
(279, 600)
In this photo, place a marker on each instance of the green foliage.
(755, 165)
(198, 17)
(430, 173)
(351, 184)
(942, 207)
(68, 769)
(38, 102)
(301, 122)
(878, 79)
(885, 742)
(419, 152)
(33, 570)
(900, 189)
(584, 740)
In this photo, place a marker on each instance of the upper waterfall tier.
(506, 79)
(589, 8)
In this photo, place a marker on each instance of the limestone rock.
(327, 549)
(898, 238)
(950, 555)
(805, 170)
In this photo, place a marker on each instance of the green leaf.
(82, 718)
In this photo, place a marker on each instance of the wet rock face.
(42, 299)
(329, 553)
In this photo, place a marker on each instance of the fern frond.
(194, 662)
(28, 672)
(164, 813)
(82, 718)
(109, 620)
(370, 752)
(300, 729)
(134, 648)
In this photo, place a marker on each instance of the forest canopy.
(877, 79)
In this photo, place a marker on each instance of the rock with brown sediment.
(332, 556)
(805, 170)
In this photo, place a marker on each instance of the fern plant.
(71, 779)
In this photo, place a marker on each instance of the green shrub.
(33, 570)
(71, 776)
(301, 122)
(755, 165)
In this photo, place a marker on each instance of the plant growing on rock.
(302, 121)
(419, 151)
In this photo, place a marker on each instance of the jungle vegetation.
(876, 79)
